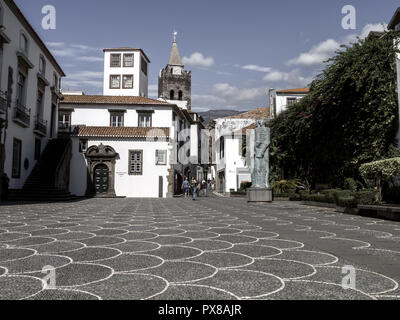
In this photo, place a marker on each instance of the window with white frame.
(117, 119)
(115, 82)
(128, 60)
(64, 120)
(115, 60)
(290, 101)
(144, 120)
(161, 157)
(127, 81)
(135, 162)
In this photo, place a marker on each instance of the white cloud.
(55, 44)
(197, 59)
(276, 76)
(317, 55)
(254, 67)
(233, 94)
(326, 49)
(80, 80)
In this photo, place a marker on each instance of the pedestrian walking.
(204, 188)
(185, 187)
(193, 184)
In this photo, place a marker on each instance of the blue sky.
(236, 50)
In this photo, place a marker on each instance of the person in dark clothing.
(5, 183)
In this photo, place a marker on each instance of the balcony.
(3, 103)
(64, 127)
(22, 115)
(40, 126)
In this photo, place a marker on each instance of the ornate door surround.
(106, 155)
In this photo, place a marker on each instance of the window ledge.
(22, 57)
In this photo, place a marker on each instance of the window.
(64, 120)
(144, 120)
(115, 82)
(21, 89)
(38, 148)
(128, 60)
(127, 82)
(243, 149)
(290, 101)
(180, 95)
(222, 147)
(83, 143)
(39, 105)
(135, 162)
(115, 60)
(55, 81)
(161, 157)
(171, 95)
(16, 161)
(24, 43)
(42, 65)
(143, 64)
(117, 119)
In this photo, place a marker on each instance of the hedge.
(347, 202)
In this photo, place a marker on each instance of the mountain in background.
(210, 115)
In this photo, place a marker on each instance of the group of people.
(195, 188)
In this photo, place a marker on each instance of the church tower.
(174, 82)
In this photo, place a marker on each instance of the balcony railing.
(40, 126)
(22, 115)
(3, 102)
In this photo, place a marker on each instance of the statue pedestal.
(259, 195)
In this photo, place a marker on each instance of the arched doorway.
(101, 170)
(101, 178)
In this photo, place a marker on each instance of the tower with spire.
(174, 82)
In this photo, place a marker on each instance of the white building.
(125, 72)
(282, 99)
(233, 148)
(122, 146)
(29, 83)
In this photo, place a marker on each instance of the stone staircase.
(48, 181)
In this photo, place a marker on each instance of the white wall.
(281, 101)
(13, 30)
(140, 80)
(143, 186)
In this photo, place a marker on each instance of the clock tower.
(174, 82)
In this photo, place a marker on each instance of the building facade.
(30, 93)
(233, 145)
(123, 146)
(125, 72)
(282, 99)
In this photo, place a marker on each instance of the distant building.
(30, 92)
(233, 148)
(125, 72)
(282, 99)
(174, 82)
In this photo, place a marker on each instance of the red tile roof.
(121, 132)
(99, 99)
(295, 91)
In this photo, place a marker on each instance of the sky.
(236, 50)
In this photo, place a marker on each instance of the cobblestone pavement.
(214, 248)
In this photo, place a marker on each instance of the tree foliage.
(350, 116)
